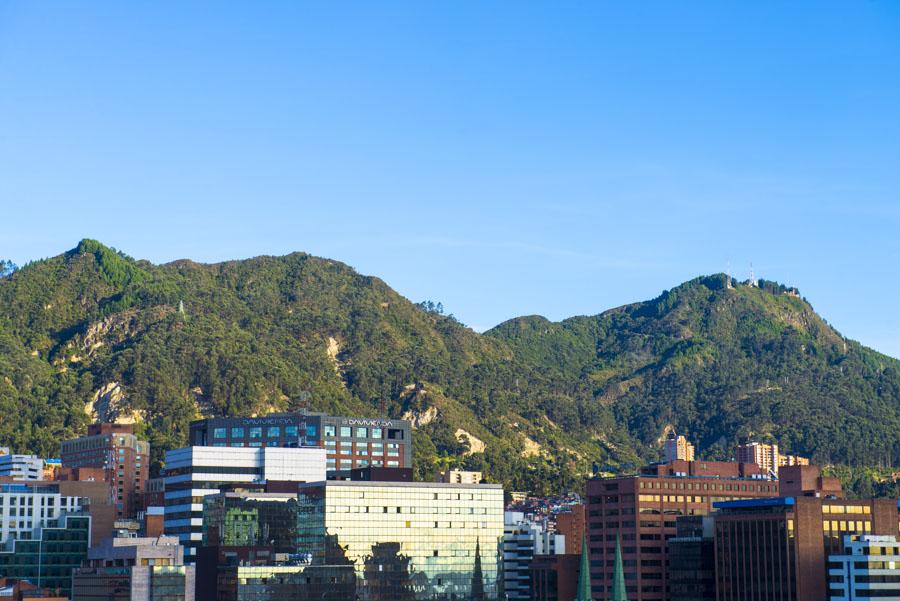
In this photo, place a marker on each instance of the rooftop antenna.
(752, 282)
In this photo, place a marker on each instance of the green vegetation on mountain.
(95, 334)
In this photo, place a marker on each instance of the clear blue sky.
(504, 158)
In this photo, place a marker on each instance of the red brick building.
(121, 455)
(571, 524)
(774, 549)
(554, 577)
(642, 509)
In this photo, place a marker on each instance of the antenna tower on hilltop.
(752, 282)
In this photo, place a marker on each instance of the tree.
(7, 268)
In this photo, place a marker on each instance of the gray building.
(522, 540)
(22, 467)
(135, 569)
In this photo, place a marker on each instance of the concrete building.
(410, 541)
(767, 456)
(123, 457)
(459, 477)
(522, 541)
(868, 568)
(196, 472)
(22, 467)
(134, 569)
(642, 509)
(349, 442)
(678, 448)
(24, 508)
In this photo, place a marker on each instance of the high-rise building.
(522, 541)
(22, 467)
(691, 569)
(406, 541)
(571, 524)
(349, 442)
(123, 457)
(642, 509)
(134, 569)
(55, 543)
(554, 577)
(868, 568)
(192, 473)
(773, 549)
(678, 448)
(767, 456)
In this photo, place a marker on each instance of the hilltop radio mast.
(752, 282)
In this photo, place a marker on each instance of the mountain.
(95, 334)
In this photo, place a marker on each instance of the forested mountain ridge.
(93, 333)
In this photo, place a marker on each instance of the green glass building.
(406, 541)
(248, 519)
(48, 557)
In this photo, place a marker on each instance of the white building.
(459, 477)
(192, 473)
(26, 507)
(868, 568)
(22, 467)
(522, 540)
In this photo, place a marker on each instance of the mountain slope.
(95, 334)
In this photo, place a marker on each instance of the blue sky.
(503, 158)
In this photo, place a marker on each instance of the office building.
(196, 472)
(406, 540)
(89, 485)
(642, 509)
(868, 568)
(571, 524)
(349, 442)
(123, 457)
(459, 477)
(767, 456)
(554, 577)
(283, 581)
(22, 467)
(134, 569)
(795, 534)
(522, 541)
(678, 449)
(691, 569)
(50, 552)
(24, 507)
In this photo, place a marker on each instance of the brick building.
(571, 525)
(643, 508)
(123, 458)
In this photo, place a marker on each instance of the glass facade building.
(48, 556)
(406, 541)
(249, 519)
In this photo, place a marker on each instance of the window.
(376, 432)
(346, 432)
(237, 432)
(362, 432)
(393, 463)
(311, 430)
(362, 448)
(256, 432)
(290, 431)
(256, 443)
(273, 432)
(328, 430)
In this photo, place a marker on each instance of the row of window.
(257, 432)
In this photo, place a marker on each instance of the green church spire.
(618, 586)
(584, 576)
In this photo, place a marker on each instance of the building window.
(376, 433)
(311, 430)
(256, 432)
(346, 432)
(328, 430)
(273, 432)
(393, 464)
(256, 443)
(237, 432)
(362, 449)
(290, 431)
(362, 432)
